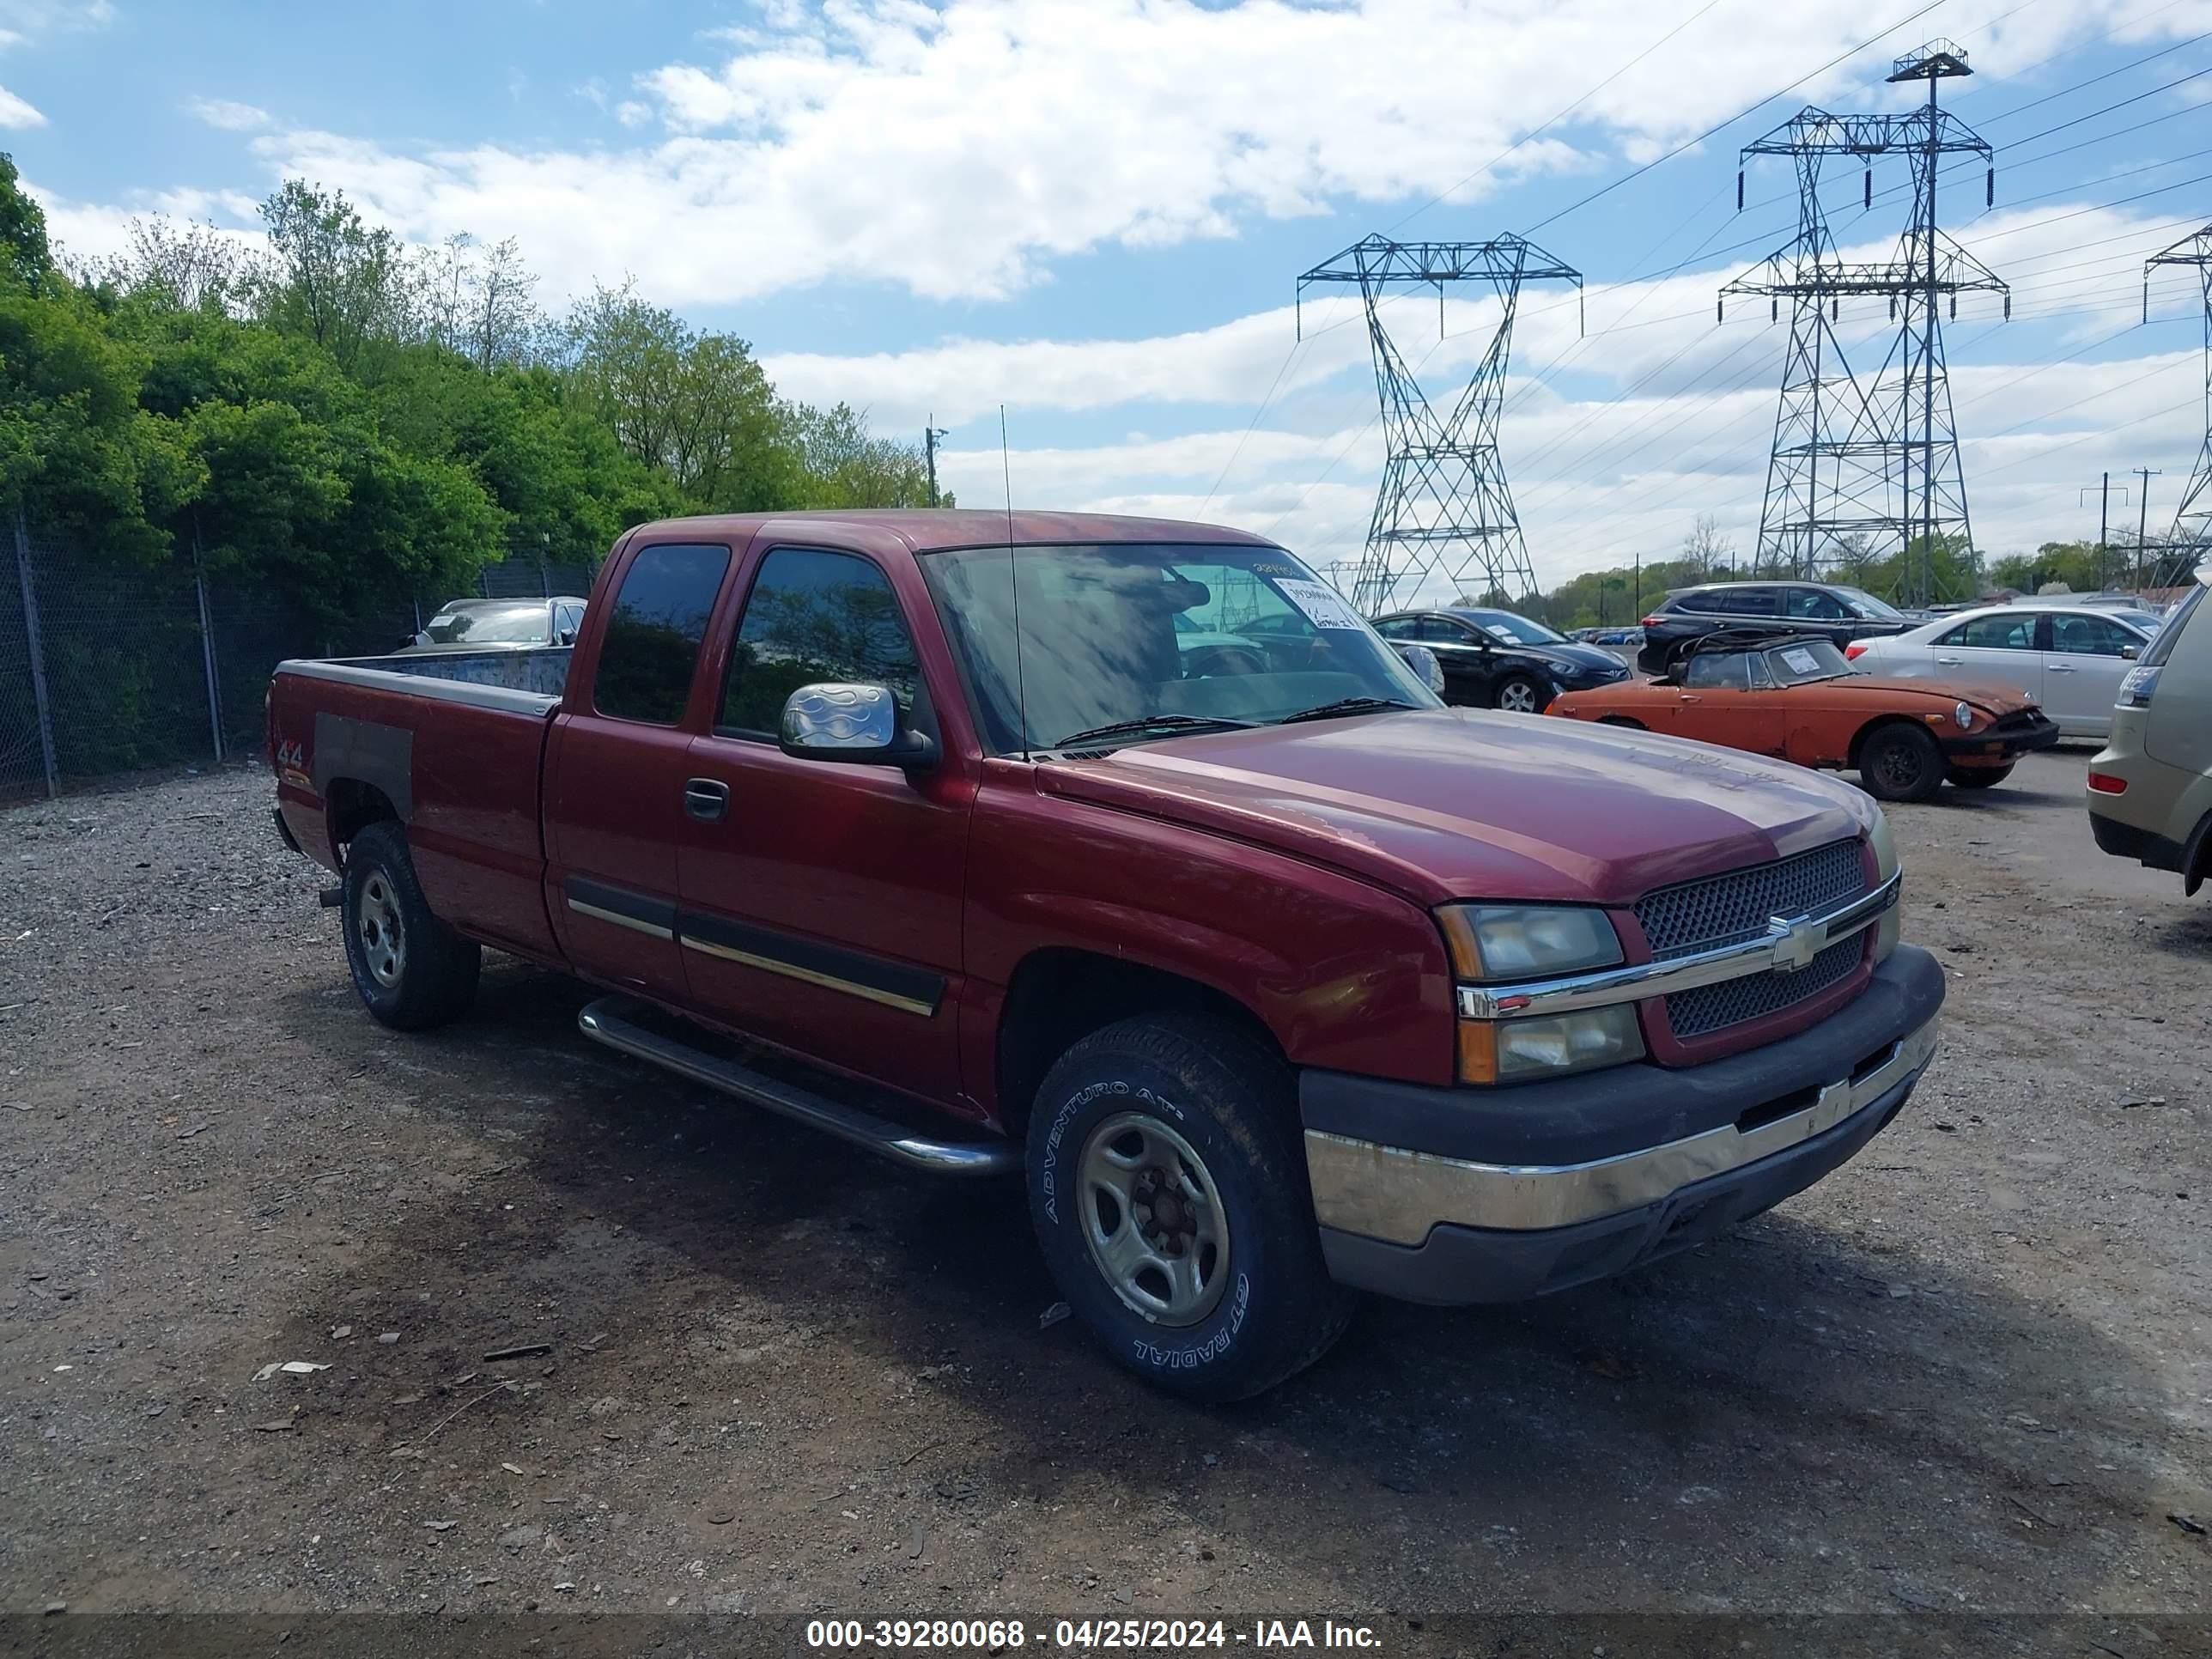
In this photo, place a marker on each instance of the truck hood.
(1457, 802)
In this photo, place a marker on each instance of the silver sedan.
(2069, 658)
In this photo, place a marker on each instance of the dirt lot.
(1970, 1374)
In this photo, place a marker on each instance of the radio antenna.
(1014, 585)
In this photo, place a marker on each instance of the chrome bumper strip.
(1390, 1193)
(1789, 944)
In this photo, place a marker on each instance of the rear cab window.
(656, 622)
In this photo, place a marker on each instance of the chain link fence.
(109, 670)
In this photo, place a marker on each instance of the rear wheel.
(1521, 694)
(1977, 777)
(1167, 1181)
(1622, 719)
(411, 970)
(1900, 763)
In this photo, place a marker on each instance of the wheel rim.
(376, 923)
(1153, 1219)
(1897, 766)
(1517, 697)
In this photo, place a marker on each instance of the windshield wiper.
(1344, 706)
(1155, 723)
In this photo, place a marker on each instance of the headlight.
(1891, 928)
(1523, 941)
(1963, 714)
(1512, 1050)
(1490, 943)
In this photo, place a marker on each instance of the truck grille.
(1727, 909)
(1711, 1007)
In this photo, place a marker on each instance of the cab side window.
(1812, 605)
(1998, 632)
(658, 618)
(1746, 602)
(815, 615)
(2090, 636)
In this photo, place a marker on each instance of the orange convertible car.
(1797, 698)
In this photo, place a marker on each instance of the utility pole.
(930, 434)
(2104, 519)
(2142, 523)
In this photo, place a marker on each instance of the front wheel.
(1900, 763)
(411, 970)
(1521, 694)
(1977, 777)
(1167, 1181)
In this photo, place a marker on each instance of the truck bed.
(539, 673)
(452, 745)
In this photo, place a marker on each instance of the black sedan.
(1495, 659)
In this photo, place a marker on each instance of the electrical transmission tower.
(2191, 540)
(1864, 460)
(1444, 508)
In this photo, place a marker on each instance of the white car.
(2069, 658)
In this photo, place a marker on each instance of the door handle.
(1949, 662)
(1688, 697)
(2062, 668)
(707, 800)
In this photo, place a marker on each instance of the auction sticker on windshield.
(1801, 660)
(1324, 607)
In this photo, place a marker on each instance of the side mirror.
(2129, 652)
(859, 725)
(1423, 661)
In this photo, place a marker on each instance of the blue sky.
(1094, 212)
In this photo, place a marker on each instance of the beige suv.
(2150, 786)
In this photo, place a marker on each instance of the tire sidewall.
(1539, 694)
(1235, 1338)
(369, 855)
(1931, 763)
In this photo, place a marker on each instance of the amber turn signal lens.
(1459, 939)
(1478, 1051)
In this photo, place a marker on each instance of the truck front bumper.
(1497, 1195)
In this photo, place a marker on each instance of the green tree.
(329, 277)
(24, 253)
(843, 466)
(75, 447)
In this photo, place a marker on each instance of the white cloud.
(960, 151)
(15, 112)
(227, 116)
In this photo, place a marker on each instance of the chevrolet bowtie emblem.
(1797, 940)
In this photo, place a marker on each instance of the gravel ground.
(1968, 1374)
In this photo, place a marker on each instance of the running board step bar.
(611, 1020)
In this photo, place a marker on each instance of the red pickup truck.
(1122, 853)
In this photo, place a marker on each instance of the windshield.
(1514, 630)
(510, 625)
(1868, 606)
(1127, 632)
(2161, 647)
(1808, 660)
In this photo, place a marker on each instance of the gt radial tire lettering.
(1189, 1360)
(1076, 1102)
